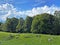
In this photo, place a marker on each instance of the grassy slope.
(28, 39)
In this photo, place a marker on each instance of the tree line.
(40, 24)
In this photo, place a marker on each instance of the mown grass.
(28, 39)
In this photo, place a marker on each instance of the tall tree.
(0, 26)
(19, 27)
(43, 23)
(6, 26)
(14, 22)
(10, 24)
(57, 21)
(27, 24)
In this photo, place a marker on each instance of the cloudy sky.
(23, 8)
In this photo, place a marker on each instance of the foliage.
(19, 27)
(27, 24)
(10, 25)
(43, 23)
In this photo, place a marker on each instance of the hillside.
(28, 39)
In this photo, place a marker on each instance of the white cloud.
(40, 10)
(8, 10)
(5, 10)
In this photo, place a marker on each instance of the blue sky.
(23, 8)
(29, 4)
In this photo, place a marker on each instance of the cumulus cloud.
(8, 10)
(40, 10)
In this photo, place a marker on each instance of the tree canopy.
(41, 23)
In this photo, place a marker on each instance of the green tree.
(43, 23)
(0, 26)
(57, 22)
(10, 25)
(6, 26)
(19, 27)
(27, 24)
(14, 22)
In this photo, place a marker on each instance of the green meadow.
(28, 39)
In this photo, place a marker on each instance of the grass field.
(28, 39)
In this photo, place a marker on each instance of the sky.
(23, 8)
